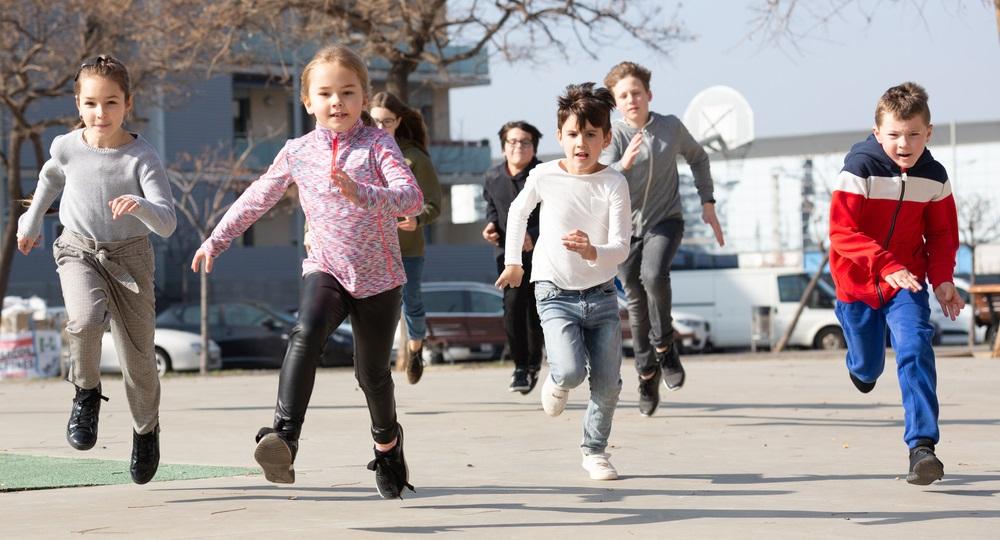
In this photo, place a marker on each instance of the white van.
(728, 299)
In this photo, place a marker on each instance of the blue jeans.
(413, 301)
(907, 316)
(582, 331)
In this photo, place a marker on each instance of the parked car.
(465, 321)
(176, 350)
(692, 333)
(253, 335)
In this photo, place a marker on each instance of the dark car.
(464, 320)
(253, 335)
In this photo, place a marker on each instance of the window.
(444, 301)
(483, 302)
(192, 315)
(790, 288)
(243, 315)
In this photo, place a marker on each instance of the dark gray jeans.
(645, 275)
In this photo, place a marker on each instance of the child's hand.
(708, 216)
(528, 244)
(490, 234)
(408, 224)
(951, 302)
(25, 245)
(510, 277)
(120, 206)
(632, 151)
(578, 241)
(202, 256)
(347, 186)
(903, 279)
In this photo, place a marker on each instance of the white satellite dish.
(720, 118)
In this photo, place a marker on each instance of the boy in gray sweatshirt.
(644, 147)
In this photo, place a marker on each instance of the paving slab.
(778, 446)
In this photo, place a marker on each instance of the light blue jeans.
(583, 333)
(413, 300)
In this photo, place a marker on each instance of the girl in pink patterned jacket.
(353, 183)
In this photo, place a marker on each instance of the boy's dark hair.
(904, 101)
(627, 69)
(522, 125)
(411, 123)
(587, 104)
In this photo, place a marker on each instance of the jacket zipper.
(892, 227)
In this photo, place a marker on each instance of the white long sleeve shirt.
(597, 204)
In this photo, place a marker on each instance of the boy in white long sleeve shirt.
(584, 231)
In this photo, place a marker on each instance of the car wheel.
(162, 362)
(830, 338)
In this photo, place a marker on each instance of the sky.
(829, 83)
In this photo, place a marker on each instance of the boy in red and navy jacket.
(893, 226)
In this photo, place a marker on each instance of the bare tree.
(42, 45)
(406, 33)
(978, 224)
(786, 23)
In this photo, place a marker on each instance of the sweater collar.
(327, 135)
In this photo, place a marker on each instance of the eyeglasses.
(385, 122)
(102, 59)
(525, 143)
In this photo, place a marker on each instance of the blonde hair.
(627, 69)
(336, 54)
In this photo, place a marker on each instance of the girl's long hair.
(411, 123)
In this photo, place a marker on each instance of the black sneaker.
(81, 430)
(649, 393)
(519, 381)
(925, 467)
(862, 386)
(145, 455)
(673, 371)
(532, 380)
(276, 455)
(415, 366)
(391, 474)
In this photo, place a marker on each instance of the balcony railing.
(460, 157)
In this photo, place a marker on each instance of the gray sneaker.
(673, 371)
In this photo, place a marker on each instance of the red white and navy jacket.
(883, 219)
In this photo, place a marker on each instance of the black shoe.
(925, 467)
(145, 455)
(415, 367)
(519, 381)
(649, 393)
(81, 430)
(391, 474)
(673, 371)
(532, 380)
(862, 386)
(275, 453)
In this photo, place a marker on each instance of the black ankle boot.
(925, 467)
(145, 455)
(391, 473)
(81, 430)
(276, 450)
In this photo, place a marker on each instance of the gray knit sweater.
(652, 180)
(89, 178)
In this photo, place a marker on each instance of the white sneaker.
(599, 467)
(553, 397)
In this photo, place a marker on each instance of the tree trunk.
(14, 210)
(398, 81)
(996, 4)
(203, 369)
(802, 304)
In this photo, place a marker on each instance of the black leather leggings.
(324, 304)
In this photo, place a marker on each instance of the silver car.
(176, 350)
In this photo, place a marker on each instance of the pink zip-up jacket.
(358, 245)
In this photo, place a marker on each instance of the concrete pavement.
(752, 447)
